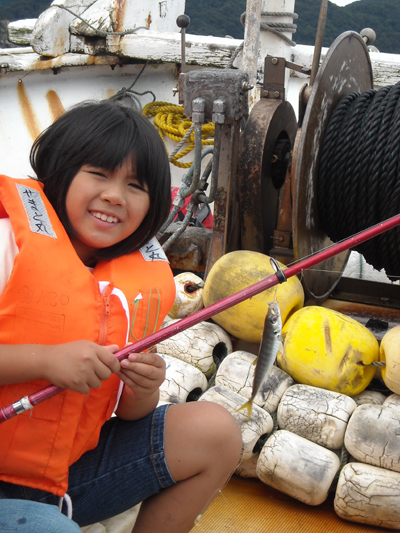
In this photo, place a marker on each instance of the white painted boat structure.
(64, 61)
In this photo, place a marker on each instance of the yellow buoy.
(390, 354)
(327, 349)
(238, 270)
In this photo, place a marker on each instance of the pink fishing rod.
(28, 402)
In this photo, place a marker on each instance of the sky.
(342, 2)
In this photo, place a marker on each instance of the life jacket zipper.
(105, 313)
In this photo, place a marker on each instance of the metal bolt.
(276, 94)
(198, 117)
(218, 118)
(199, 104)
(275, 60)
(246, 86)
(218, 106)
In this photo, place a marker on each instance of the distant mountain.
(22, 9)
(222, 17)
(382, 16)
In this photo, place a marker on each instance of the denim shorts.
(127, 466)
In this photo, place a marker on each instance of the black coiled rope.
(358, 183)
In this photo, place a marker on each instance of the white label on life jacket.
(38, 218)
(152, 251)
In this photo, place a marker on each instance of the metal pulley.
(276, 207)
(266, 145)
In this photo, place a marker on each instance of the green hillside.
(222, 17)
(22, 9)
(381, 15)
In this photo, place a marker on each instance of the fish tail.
(248, 405)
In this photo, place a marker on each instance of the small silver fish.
(270, 341)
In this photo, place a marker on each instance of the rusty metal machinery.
(265, 152)
(218, 96)
(279, 211)
(346, 68)
(265, 164)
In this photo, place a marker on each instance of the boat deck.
(250, 506)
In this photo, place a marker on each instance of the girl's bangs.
(110, 152)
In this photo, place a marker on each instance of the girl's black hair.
(104, 134)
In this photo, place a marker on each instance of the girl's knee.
(222, 424)
(223, 437)
(216, 427)
(199, 437)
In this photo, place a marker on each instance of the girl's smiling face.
(104, 207)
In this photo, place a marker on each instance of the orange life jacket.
(52, 298)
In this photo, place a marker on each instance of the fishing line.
(296, 261)
(226, 525)
(219, 491)
(214, 497)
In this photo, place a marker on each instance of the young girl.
(83, 275)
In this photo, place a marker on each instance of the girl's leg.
(24, 516)
(203, 443)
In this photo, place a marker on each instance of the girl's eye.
(137, 186)
(97, 173)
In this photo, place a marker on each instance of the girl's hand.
(79, 365)
(143, 373)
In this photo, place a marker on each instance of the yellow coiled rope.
(171, 122)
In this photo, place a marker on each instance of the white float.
(248, 467)
(297, 467)
(260, 423)
(318, 415)
(373, 434)
(181, 381)
(186, 301)
(236, 372)
(392, 401)
(368, 495)
(199, 346)
(369, 396)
